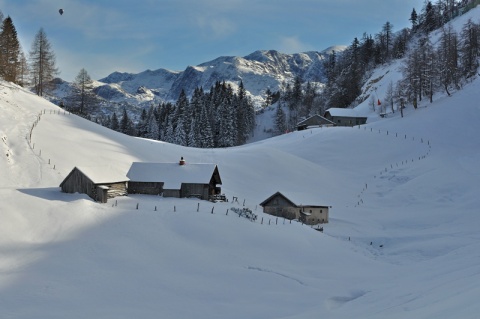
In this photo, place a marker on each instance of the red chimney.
(182, 161)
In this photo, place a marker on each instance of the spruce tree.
(280, 120)
(9, 52)
(114, 124)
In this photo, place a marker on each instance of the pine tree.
(114, 124)
(470, 48)
(414, 19)
(180, 135)
(428, 74)
(126, 125)
(42, 59)
(152, 128)
(10, 52)
(448, 59)
(389, 96)
(280, 120)
(23, 70)
(142, 125)
(387, 36)
(82, 98)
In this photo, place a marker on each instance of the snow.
(171, 174)
(402, 240)
(334, 111)
(102, 174)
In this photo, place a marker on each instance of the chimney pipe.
(182, 161)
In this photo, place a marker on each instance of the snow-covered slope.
(402, 239)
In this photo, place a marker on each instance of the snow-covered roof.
(317, 117)
(299, 198)
(172, 174)
(335, 111)
(102, 174)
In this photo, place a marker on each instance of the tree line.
(221, 117)
(38, 70)
(426, 70)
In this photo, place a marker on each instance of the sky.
(133, 36)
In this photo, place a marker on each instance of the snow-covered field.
(402, 242)
(409, 184)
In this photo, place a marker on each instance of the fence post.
(227, 212)
(137, 205)
(174, 208)
(198, 207)
(212, 209)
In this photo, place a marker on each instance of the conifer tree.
(126, 125)
(414, 19)
(448, 59)
(280, 120)
(9, 52)
(82, 98)
(42, 59)
(470, 48)
(114, 124)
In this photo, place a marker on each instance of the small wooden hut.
(345, 117)
(180, 179)
(99, 182)
(282, 206)
(314, 121)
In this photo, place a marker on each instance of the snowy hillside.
(402, 239)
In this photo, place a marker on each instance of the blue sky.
(135, 35)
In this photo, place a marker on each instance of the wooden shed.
(345, 117)
(99, 182)
(314, 121)
(174, 179)
(282, 206)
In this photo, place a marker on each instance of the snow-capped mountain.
(259, 71)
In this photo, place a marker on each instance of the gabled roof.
(335, 111)
(173, 174)
(315, 117)
(100, 174)
(296, 199)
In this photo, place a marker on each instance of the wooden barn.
(345, 117)
(282, 206)
(99, 182)
(174, 179)
(314, 121)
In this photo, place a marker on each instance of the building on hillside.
(98, 182)
(280, 205)
(314, 121)
(345, 117)
(180, 179)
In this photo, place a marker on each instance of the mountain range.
(259, 71)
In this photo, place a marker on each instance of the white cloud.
(291, 44)
(215, 27)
